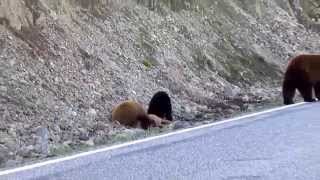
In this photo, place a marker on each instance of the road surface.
(282, 144)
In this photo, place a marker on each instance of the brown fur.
(302, 73)
(130, 113)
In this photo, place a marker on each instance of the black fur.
(160, 105)
(297, 78)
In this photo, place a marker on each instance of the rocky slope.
(64, 64)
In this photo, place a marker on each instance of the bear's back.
(128, 112)
(308, 63)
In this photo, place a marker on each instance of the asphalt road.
(283, 144)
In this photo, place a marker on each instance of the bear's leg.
(305, 90)
(317, 90)
(288, 91)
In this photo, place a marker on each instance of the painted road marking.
(54, 161)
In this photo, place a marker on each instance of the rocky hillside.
(65, 63)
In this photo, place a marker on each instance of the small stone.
(210, 116)
(74, 113)
(180, 125)
(10, 163)
(12, 62)
(199, 116)
(202, 108)
(83, 135)
(7, 140)
(230, 91)
(100, 140)
(26, 152)
(89, 142)
(135, 132)
(84, 71)
(100, 126)
(244, 107)
(250, 108)
(187, 109)
(229, 111)
(60, 149)
(235, 107)
(245, 98)
(42, 140)
(92, 112)
(3, 137)
(67, 143)
(3, 89)
(2, 160)
(121, 137)
(4, 152)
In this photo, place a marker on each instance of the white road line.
(54, 161)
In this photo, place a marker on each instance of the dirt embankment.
(65, 63)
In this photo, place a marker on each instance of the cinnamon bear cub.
(132, 114)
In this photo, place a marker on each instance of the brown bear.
(132, 114)
(160, 105)
(302, 73)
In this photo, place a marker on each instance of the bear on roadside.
(160, 105)
(131, 113)
(302, 73)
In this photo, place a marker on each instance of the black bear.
(302, 73)
(160, 105)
